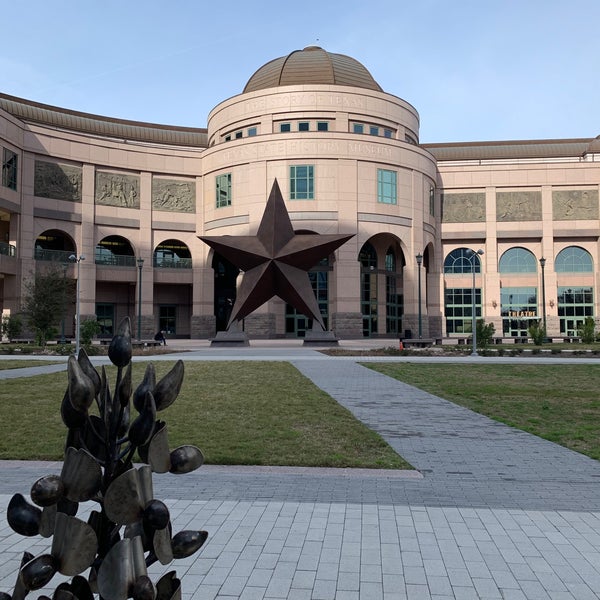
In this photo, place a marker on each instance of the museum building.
(508, 228)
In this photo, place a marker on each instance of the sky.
(474, 70)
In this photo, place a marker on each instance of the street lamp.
(473, 256)
(64, 304)
(77, 260)
(543, 265)
(419, 258)
(140, 264)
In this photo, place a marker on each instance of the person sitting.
(160, 337)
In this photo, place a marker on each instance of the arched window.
(459, 261)
(54, 245)
(517, 260)
(115, 251)
(573, 260)
(172, 254)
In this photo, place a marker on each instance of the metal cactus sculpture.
(129, 529)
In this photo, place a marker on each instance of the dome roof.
(312, 65)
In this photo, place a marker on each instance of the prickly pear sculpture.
(129, 529)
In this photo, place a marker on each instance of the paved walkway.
(491, 512)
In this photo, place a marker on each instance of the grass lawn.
(255, 413)
(23, 364)
(560, 403)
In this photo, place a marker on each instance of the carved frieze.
(463, 208)
(568, 205)
(116, 189)
(519, 206)
(58, 181)
(173, 195)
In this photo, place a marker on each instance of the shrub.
(537, 332)
(588, 331)
(485, 333)
(88, 329)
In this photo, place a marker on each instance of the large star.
(275, 261)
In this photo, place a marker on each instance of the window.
(409, 139)
(302, 182)
(167, 319)
(252, 131)
(358, 128)
(388, 133)
(517, 260)
(519, 309)
(458, 309)
(459, 261)
(431, 200)
(223, 190)
(393, 296)
(9, 169)
(573, 260)
(105, 315)
(238, 135)
(227, 138)
(373, 130)
(285, 127)
(303, 126)
(574, 305)
(322, 126)
(386, 186)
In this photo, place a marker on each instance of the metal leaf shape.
(121, 568)
(47, 490)
(124, 392)
(38, 572)
(142, 428)
(81, 475)
(72, 418)
(167, 389)
(81, 387)
(157, 453)
(185, 543)
(168, 587)
(147, 385)
(74, 545)
(128, 494)
(88, 368)
(119, 350)
(23, 517)
(186, 459)
(161, 543)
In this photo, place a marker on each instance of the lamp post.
(64, 304)
(473, 256)
(140, 264)
(543, 265)
(419, 258)
(77, 259)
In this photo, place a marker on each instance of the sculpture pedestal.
(230, 339)
(320, 338)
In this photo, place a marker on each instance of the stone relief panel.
(519, 206)
(463, 208)
(57, 181)
(174, 195)
(568, 205)
(114, 189)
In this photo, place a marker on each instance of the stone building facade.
(132, 199)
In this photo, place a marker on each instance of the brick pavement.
(496, 513)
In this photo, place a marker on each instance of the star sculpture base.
(315, 337)
(230, 339)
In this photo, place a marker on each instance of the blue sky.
(475, 70)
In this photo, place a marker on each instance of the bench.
(22, 341)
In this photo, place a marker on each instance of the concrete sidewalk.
(491, 512)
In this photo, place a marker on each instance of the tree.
(44, 302)
(537, 332)
(587, 331)
(12, 326)
(485, 333)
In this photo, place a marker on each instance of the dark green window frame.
(302, 182)
(223, 190)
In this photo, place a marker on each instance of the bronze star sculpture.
(275, 261)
